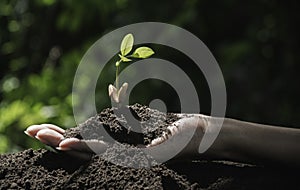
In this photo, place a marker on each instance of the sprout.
(118, 94)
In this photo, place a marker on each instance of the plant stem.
(117, 77)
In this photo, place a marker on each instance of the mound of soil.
(44, 169)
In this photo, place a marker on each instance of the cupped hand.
(53, 136)
(182, 139)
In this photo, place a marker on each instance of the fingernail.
(28, 134)
(62, 148)
(156, 141)
(32, 130)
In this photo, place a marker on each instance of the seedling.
(118, 94)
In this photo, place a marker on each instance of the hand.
(52, 135)
(182, 139)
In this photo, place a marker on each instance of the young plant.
(117, 93)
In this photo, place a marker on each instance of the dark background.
(256, 44)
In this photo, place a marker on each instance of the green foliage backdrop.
(42, 41)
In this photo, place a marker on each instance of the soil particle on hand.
(44, 169)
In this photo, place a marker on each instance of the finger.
(172, 130)
(49, 137)
(73, 144)
(180, 140)
(94, 146)
(156, 142)
(34, 129)
(178, 127)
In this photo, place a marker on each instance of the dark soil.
(44, 169)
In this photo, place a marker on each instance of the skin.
(237, 141)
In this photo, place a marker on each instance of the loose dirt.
(45, 169)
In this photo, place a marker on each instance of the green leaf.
(142, 52)
(126, 45)
(124, 59)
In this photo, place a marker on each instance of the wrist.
(221, 133)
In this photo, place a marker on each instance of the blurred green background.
(255, 42)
